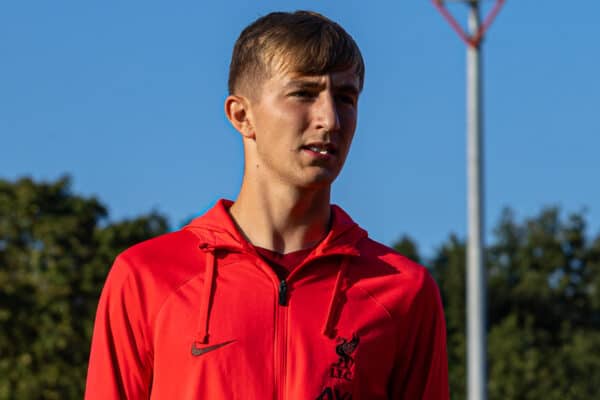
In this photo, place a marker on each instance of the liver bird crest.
(344, 349)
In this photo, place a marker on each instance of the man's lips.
(321, 148)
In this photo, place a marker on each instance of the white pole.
(476, 281)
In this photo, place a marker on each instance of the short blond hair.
(303, 41)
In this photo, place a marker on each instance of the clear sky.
(127, 97)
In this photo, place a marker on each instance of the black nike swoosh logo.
(198, 351)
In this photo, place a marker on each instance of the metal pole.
(476, 281)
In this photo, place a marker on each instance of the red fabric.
(283, 264)
(198, 314)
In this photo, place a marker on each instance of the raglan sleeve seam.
(166, 298)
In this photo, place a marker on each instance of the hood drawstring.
(207, 290)
(334, 306)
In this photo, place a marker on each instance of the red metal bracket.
(470, 40)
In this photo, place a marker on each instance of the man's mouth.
(321, 148)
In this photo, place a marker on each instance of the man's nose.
(327, 112)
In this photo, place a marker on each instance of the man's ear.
(237, 111)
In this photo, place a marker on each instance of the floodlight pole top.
(471, 39)
(457, 1)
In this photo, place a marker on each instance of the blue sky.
(127, 98)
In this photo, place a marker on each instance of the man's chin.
(321, 180)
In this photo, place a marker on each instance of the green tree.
(55, 251)
(408, 248)
(543, 308)
(448, 268)
(543, 320)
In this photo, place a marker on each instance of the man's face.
(303, 126)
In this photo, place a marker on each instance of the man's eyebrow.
(347, 88)
(305, 84)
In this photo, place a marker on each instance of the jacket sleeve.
(422, 367)
(120, 365)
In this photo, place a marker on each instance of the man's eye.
(303, 94)
(346, 99)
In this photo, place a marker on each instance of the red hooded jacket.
(198, 314)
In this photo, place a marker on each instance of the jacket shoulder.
(384, 256)
(397, 282)
(161, 251)
(160, 265)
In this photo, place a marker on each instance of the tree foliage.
(543, 310)
(55, 251)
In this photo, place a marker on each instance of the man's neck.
(282, 219)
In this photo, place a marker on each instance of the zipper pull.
(205, 247)
(283, 293)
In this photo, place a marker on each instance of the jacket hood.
(216, 229)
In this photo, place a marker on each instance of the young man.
(278, 295)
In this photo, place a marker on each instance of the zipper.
(281, 322)
(281, 314)
(283, 293)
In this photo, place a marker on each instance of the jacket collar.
(217, 229)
